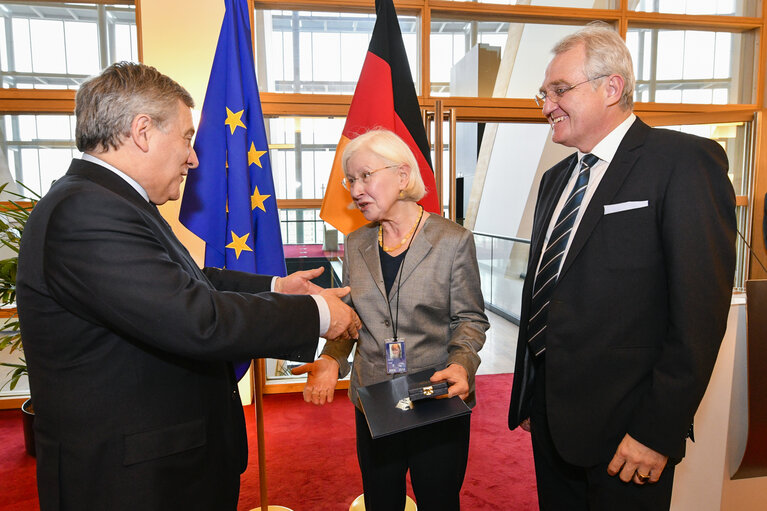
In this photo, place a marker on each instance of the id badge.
(395, 356)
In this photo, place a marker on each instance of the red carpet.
(18, 483)
(311, 459)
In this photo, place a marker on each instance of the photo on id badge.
(395, 356)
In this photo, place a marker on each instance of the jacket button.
(234, 395)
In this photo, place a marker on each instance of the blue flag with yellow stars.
(229, 199)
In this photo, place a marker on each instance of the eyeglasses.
(554, 95)
(364, 177)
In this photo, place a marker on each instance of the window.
(320, 52)
(302, 151)
(39, 148)
(693, 66)
(582, 4)
(719, 7)
(466, 56)
(54, 45)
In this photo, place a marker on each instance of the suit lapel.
(559, 175)
(111, 181)
(624, 161)
(369, 251)
(418, 250)
(114, 183)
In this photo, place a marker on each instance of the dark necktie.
(551, 262)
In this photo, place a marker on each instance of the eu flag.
(229, 199)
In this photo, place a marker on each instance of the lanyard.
(395, 322)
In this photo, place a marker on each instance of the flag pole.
(230, 200)
(259, 376)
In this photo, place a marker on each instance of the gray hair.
(388, 146)
(606, 54)
(106, 105)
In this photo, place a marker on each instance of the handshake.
(344, 322)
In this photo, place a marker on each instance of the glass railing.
(502, 268)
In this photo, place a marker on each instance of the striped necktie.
(551, 261)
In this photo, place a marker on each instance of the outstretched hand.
(344, 322)
(299, 282)
(320, 381)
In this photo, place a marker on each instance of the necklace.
(407, 236)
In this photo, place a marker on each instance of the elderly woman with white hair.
(415, 285)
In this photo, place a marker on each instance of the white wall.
(533, 57)
(702, 480)
(511, 177)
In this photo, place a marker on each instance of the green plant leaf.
(13, 219)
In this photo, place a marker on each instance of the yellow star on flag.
(234, 119)
(257, 200)
(255, 156)
(239, 243)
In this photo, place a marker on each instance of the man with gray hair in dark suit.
(627, 291)
(128, 341)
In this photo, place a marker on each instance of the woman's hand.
(457, 379)
(321, 380)
(299, 282)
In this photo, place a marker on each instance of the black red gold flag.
(385, 97)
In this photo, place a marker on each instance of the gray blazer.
(441, 309)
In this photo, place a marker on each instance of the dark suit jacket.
(640, 307)
(128, 344)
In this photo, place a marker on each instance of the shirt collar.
(608, 146)
(126, 177)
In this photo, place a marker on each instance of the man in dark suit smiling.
(128, 342)
(627, 291)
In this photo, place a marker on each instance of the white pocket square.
(625, 206)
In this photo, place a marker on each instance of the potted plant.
(13, 218)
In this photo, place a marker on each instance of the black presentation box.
(384, 417)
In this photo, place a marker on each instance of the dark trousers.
(567, 487)
(435, 454)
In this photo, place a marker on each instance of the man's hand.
(344, 322)
(298, 283)
(321, 380)
(457, 379)
(525, 424)
(639, 463)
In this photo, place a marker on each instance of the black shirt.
(389, 267)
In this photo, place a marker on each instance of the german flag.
(384, 98)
